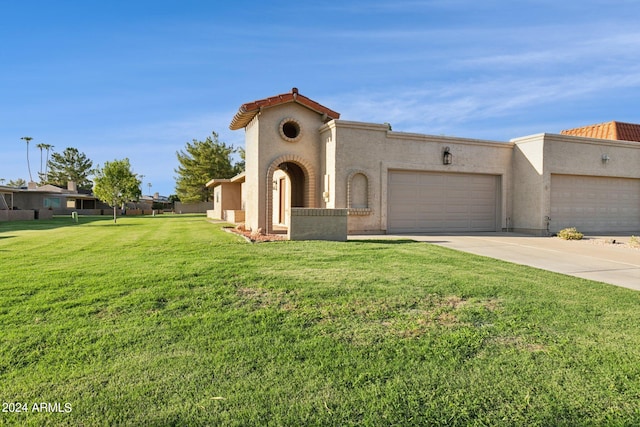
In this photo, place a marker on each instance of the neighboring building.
(155, 202)
(59, 200)
(300, 154)
(228, 201)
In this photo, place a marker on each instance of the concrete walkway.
(595, 257)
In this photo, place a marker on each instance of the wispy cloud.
(446, 106)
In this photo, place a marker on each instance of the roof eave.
(248, 111)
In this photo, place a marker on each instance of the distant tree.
(70, 165)
(199, 163)
(17, 183)
(49, 147)
(116, 184)
(43, 174)
(239, 166)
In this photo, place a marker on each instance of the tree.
(199, 163)
(116, 184)
(43, 175)
(17, 183)
(70, 165)
(46, 167)
(28, 139)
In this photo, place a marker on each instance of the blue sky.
(140, 78)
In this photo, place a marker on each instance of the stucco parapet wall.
(553, 137)
(419, 137)
(215, 182)
(239, 178)
(318, 212)
(354, 125)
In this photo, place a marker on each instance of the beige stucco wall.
(216, 212)
(253, 186)
(264, 146)
(334, 152)
(528, 214)
(375, 150)
(277, 176)
(537, 157)
(226, 196)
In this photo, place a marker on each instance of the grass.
(168, 320)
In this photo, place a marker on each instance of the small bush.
(570, 234)
(634, 242)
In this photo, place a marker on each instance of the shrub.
(570, 234)
(634, 242)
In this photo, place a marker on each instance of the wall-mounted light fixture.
(605, 158)
(447, 157)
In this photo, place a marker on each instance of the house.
(43, 202)
(228, 202)
(300, 153)
(57, 199)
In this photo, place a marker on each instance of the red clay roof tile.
(611, 130)
(249, 110)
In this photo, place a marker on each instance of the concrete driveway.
(595, 257)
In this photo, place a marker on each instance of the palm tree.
(46, 165)
(28, 138)
(40, 146)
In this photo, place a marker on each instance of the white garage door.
(595, 204)
(441, 202)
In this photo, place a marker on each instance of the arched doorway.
(291, 183)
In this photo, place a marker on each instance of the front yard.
(168, 320)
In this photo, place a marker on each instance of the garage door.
(595, 204)
(441, 202)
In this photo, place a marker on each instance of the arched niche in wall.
(359, 193)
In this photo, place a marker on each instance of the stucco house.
(299, 153)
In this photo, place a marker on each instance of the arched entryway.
(291, 182)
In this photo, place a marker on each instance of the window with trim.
(51, 202)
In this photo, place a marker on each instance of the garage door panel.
(595, 204)
(437, 202)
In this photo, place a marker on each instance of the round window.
(290, 130)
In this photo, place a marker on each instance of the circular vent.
(290, 129)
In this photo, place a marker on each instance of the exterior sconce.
(447, 157)
(605, 158)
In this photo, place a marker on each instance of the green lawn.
(168, 320)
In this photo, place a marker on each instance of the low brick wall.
(17, 215)
(318, 224)
(45, 214)
(184, 208)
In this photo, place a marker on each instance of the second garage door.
(595, 204)
(442, 202)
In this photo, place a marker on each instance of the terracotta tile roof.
(249, 110)
(611, 130)
(628, 132)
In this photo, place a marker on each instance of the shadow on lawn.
(116, 224)
(49, 224)
(383, 241)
